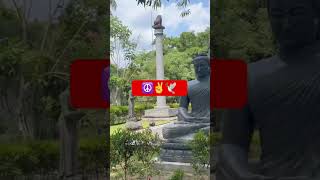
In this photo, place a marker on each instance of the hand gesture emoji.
(159, 88)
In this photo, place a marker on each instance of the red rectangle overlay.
(159, 87)
(228, 84)
(86, 84)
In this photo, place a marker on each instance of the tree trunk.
(116, 96)
(25, 126)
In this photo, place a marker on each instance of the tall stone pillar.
(158, 32)
(161, 111)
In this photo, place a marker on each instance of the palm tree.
(113, 4)
(182, 4)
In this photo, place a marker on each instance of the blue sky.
(140, 19)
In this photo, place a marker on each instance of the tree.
(178, 54)
(182, 4)
(37, 61)
(241, 30)
(122, 56)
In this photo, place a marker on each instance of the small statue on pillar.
(158, 23)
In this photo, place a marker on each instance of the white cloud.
(139, 20)
(197, 21)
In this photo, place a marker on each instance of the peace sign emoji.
(159, 88)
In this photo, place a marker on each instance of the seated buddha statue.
(198, 96)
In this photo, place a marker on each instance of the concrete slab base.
(160, 113)
(172, 166)
(133, 125)
(159, 118)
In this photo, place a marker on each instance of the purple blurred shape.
(105, 86)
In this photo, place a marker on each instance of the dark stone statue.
(105, 76)
(131, 107)
(132, 122)
(158, 23)
(68, 125)
(284, 103)
(179, 133)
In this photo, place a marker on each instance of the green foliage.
(119, 110)
(134, 152)
(255, 147)
(120, 39)
(16, 160)
(174, 105)
(10, 60)
(200, 152)
(243, 30)
(51, 106)
(181, 60)
(177, 175)
(35, 59)
(182, 4)
(92, 153)
(140, 108)
(215, 138)
(178, 54)
(122, 55)
(118, 114)
(33, 157)
(42, 157)
(122, 149)
(148, 148)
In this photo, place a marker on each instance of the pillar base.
(160, 112)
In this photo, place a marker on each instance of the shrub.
(174, 105)
(17, 160)
(47, 155)
(255, 148)
(215, 138)
(121, 148)
(200, 152)
(119, 110)
(134, 152)
(32, 157)
(147, 149)
(92, 153)
(177, 175)
(42, 157)
(118, 114)
(140, 108)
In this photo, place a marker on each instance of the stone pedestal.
(176, 152)
(172, 155)
(177, 149)
(160, 112)
(133, 125)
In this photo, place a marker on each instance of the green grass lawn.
(145, 124)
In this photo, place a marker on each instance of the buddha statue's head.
(295, 23)
(201, 66)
